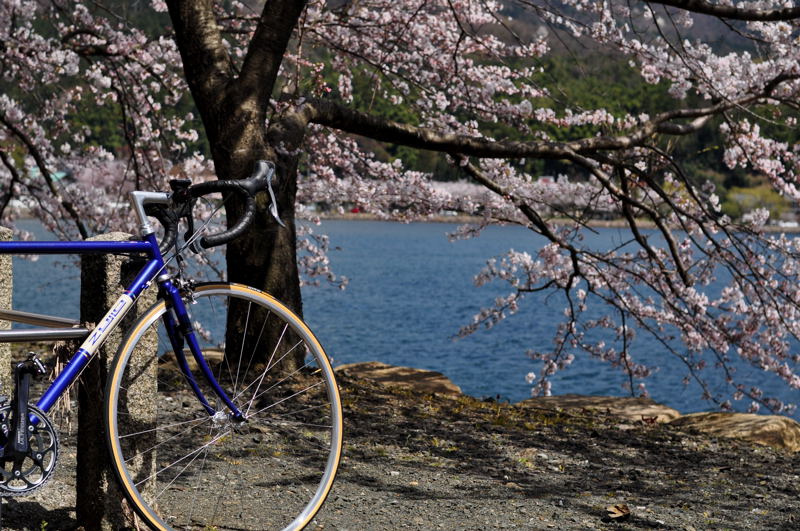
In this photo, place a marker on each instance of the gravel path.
(431, 462)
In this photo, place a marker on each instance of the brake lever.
(273, 205)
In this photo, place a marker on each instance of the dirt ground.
(415, 461)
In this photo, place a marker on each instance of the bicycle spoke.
(279, 382)
(266, 370)
(165, 441)
(219, 498)
(269, 364)
(287, 398)
(241, 351)
(202, 468)
(191, 467)
(253, 352)
(200, 449)
(168, 485)
(319, 406)
(161, 428)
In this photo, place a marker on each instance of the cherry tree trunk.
(233, 104)
(265, 257)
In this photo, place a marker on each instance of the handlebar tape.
(169, 220)
(247, 188)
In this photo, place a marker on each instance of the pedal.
(36, 364)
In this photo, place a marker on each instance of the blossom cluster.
(81, 58)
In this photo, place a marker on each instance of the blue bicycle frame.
(177, 320)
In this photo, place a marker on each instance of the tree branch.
(331, 114)
(266, 49)
(206, 61)
(15, 178)
(731, 11)
(87, 50)
(533, 216)
(337, 116)
(40, 163)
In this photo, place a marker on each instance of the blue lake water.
(410, 290)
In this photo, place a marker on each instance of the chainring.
(39, 463)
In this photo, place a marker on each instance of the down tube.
(108, 323)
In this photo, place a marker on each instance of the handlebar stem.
(139, 200)
(182, 199)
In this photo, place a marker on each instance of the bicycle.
(234, 396)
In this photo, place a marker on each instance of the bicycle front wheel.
(187, 463)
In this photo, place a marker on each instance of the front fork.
(180, 330)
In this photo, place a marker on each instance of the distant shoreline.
(463, 218)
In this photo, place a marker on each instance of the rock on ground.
(628, 408)
(419, 379)
(772, 430)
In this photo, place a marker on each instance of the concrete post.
(6, 289)
(100, 504)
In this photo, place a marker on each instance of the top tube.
(76, 247)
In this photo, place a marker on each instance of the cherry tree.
(314, 85)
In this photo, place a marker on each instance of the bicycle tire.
(181, 468)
